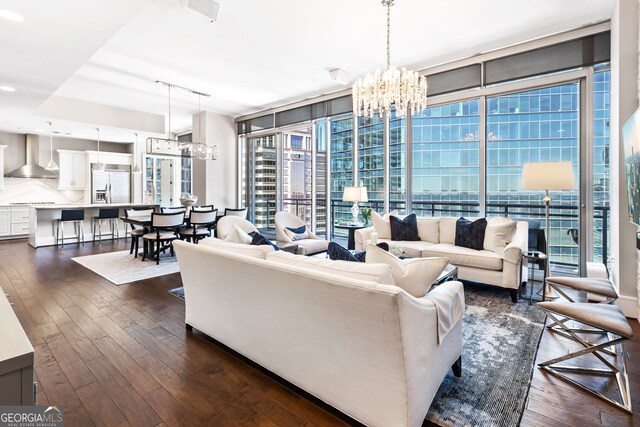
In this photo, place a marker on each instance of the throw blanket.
(448, 309)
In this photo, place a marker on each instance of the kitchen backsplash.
(24, 190)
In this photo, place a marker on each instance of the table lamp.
(547, 176)
(355, 195)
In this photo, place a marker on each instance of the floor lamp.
(547, 176)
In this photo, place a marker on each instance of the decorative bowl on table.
(187, 200)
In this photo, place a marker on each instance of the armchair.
(309, 246)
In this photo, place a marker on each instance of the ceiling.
(256, 55)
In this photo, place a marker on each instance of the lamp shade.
(547, 176)
(355, 194)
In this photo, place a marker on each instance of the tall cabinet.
(73, 170)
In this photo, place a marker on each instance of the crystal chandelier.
(383, 91)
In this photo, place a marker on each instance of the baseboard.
(628, 305)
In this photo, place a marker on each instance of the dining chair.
(175, 209)
(201, 223)
(202, 208)
(136, 233)
(164, 230)
(242, 212)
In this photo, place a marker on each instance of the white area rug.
(120, 267)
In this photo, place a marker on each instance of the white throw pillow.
(447, 230)
(415, 275)
(238, 235)
(382, 224)
(498, 233)
(429, 230)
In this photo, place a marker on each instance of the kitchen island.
(42, 221)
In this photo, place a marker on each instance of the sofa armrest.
(362, 235)
(512, 253)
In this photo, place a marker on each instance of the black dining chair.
(175, 209)
(200, 225)
(136, 233)
(242, 212)
(164, 230)
(202, 208)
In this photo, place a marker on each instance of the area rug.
(500, 341)
(121, 267)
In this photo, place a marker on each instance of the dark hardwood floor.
(120, 356)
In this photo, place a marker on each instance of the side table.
(351, 242)
(530, 257)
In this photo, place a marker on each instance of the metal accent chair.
(74, 216)
(110, 215)
(165, 228)
(136, 233)
(201, 223)
(609, 321)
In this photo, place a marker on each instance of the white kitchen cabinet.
(19, 220)
(5, 221)
(73, 170)
(2, 147)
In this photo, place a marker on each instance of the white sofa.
(437, 239)
(372, 351)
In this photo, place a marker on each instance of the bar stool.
(111, 216)
(608, 320)
(75, 216)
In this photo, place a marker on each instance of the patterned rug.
(120, 267)
(500, 342)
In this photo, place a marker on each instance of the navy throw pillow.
(298, 230)
(470, 234)
(258, 239)
(337, 252)
(404, 229)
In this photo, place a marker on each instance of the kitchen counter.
(42, 221)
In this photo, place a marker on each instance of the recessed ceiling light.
(7, 89)
(10, 15)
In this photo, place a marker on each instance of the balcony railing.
(563, 219)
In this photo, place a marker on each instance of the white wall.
(624, 101)
(215, 181)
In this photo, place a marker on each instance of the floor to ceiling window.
(371, 158)
(601, 114)
(296, 174)
(540, 125)
(397, 163)
(445, 169)
(321, 178)
(263, 151)
(341, 170)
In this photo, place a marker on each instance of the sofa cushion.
(238, 235)
(414, 276)
(378, 273)
(429, 230)
(311, 246)
(382, 224)
(465, 257)
(447, 227)
(498, 234)
(240, 248)
(470, 234)
(404, 229)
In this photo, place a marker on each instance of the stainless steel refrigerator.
(111, 185)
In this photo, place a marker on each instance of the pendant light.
(51, 166)
(136, 168)
(98, 166)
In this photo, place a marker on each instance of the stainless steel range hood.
(32, 169)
